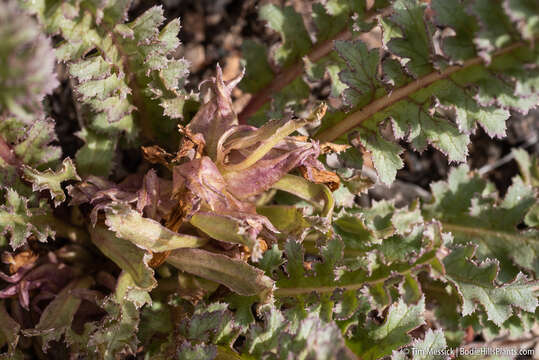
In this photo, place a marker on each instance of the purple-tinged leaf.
(59, 314)
(9, 330)
(216, 115)
(267, 137)
(202, 179)
(273, 166)
(148, 195)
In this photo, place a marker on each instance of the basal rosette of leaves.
(218, 174)
(233, 241)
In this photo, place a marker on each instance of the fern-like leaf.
(477, 284)
(469, 209)
(274, 74)
(477, 74)
(120, 67)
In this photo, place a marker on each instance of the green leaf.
(362, 73)
(446, 300)
(532, 217)
(237, 275)
(211, 323)
(401, 248)
(228, 229)
(313, 193)
(289, 24)
(33, 147)
(258, 73)
(380, 218)
(431, 347)
(127, 291)
(528, 166)
(453, 14)
(266, 337)
(51, 180)
(433, 130)
(314, 339)
(126, 255)
(289, 220)
(411, 103)
(97, 155)
(20, 221)
(340, 14)
(415, 46)
(198, 351)
(132, 66)
(472, 214)
(283, 334)
(271, 260)
(495, 29)
(375, 341)
(353, 231)
(333, 20)
(116, 333)
(146, 233)
(477, 284)
(526, 14)
(155, 322)
(410, 289)
(333, 272)
(385, 155)
(468, 113)
(403, 220)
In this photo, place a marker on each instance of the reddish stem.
(7, 154)
(288, 75)
(355, 118)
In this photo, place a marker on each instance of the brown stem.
(357, 117)
(288, 75)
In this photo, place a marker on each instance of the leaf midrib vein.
(357, 117)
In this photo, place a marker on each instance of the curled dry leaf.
(329, 147)
(25, 258)
(192, 145)
(156, 155)
(323, 176)
(229, 165)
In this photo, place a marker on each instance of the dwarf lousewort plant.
(184, 225)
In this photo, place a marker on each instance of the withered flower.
(218, 173)
(237, 163)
